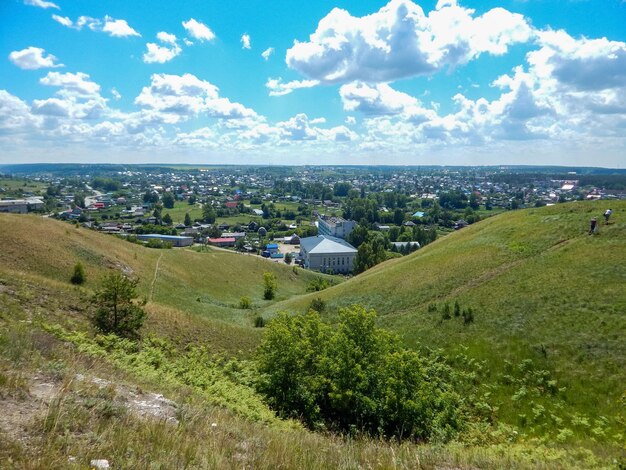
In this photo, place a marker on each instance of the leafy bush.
(245, 303)
(318, 284)
(159, 244)
(355, 376)
(270, 285)
(78, 277)
(318, 305)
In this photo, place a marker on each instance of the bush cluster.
(354, 376)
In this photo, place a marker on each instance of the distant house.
(459, 224)
(335, 226)
(235, 235)
(222, 241)
(173, 239)
(21, 206)
(292, 240)
(258, 212)
(271, 247)
(231, 205)
(419, 214)
(325, 253)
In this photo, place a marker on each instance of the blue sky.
(295, 82)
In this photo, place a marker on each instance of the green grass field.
(541, 289)
(545, 353)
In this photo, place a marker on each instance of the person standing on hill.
(593, 226)
(607, 214)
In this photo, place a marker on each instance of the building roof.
(322, 244)
(162, 237)
(222, 240)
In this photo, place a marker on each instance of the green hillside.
(542, 363)
(179, 283)
(540, 288)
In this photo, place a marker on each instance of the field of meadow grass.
(542, 357)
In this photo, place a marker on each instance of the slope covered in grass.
(194, 295)
(541, 289)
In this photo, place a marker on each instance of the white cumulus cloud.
(198, 30)
(72, 83)
(400, 41)
(162, 53)
(118, 28)
(113, 27)
(33, 58)
(179, 97)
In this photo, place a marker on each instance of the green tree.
(187, 220)
(78, 277)
(118, 311)
(168, 200)
(270, 284)
(354, 375)
(208, 213)
(167, 219)
(288, 258)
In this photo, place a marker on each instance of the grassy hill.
(186, 289)
(541, 289)
(544, 356)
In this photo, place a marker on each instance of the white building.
(324, 253)
(335, 226)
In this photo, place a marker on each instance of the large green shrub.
(355, 376)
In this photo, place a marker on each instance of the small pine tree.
(187, 220)
(259, 322)
(118, 311)
(78, 277)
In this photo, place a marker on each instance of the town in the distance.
(337, 220)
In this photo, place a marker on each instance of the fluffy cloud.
(161, 54)
(179, 97)
(278, 88)
(118, 28)
(198, 30)
(401, 41)
(267, 53)
(15, 115)
(245, 41)
(33, 58)
(72, 83)
(41, 4)
(111, 26)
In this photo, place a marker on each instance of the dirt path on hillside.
(156, 273)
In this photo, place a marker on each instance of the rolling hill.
(186, 289)
(540, 288)
(543, 358)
